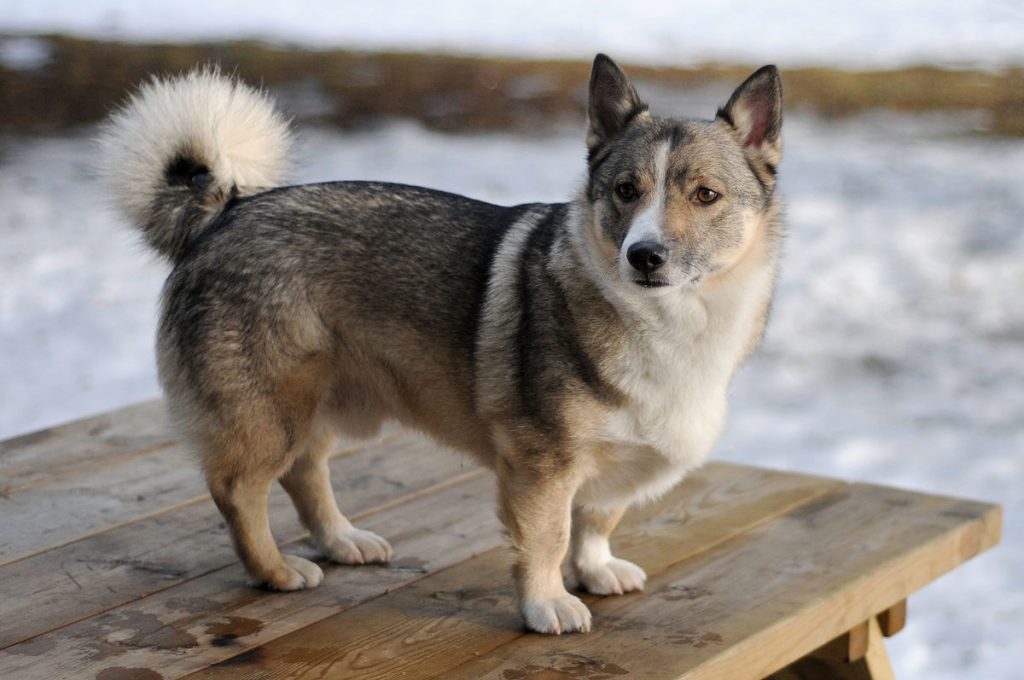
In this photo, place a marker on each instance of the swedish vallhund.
(581, 350)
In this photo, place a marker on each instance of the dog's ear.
(613, 102)
(755, 112)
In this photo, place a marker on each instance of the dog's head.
(672, 202)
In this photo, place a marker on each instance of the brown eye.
(626, 191)
(706, 196)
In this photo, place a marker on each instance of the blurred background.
(895, 353)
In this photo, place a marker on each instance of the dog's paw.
(613, 577)
(294, 573)
(557, 615)
(357, 546)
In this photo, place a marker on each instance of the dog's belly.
(645, 451)
(624, 475)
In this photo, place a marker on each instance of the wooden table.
(114, 564)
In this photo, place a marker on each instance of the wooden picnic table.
(115, 564)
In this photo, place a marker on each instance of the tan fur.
(535, 505)
(751, 257)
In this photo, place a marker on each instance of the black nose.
(647, 256)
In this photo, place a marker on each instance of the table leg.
(857, 655)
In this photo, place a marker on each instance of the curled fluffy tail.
(180, 148)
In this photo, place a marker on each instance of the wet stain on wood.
(566, 666)
(148, 631)
(252, 656)
(465, 594)
(676, 593)
(168, 572)
(476, 595)
(695, 639)
(123, 673)
(230, 629)
(152, 632)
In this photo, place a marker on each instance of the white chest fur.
(675, 371)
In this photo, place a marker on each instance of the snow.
(868, 33)
(25, 53)
(895, 352)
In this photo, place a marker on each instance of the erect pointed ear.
(755, 112)
(613, 102)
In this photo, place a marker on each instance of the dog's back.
(353, 271)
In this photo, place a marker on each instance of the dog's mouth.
(651, 283)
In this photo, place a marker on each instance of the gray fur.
(511, 333)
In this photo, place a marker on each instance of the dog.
(582, 350)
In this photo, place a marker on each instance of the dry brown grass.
(86, 78)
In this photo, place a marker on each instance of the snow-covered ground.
(877, 33)
(895, 353)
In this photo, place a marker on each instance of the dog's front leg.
(599, 572)
(536, 507)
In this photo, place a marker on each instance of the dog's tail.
(179, 149)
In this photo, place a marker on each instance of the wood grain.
(429, 628)
(774, 593)
(58, 452)
(114, 563)
(93, 476)
(215, 615)
(63, 585)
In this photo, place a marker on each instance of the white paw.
(557, 615)
(613, 577)
(356, 546)
(295, 573)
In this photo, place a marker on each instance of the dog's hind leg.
(239, 476)
(598, 571)
(308, 482)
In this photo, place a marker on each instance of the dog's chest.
(676, 371)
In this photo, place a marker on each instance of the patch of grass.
(85, 79)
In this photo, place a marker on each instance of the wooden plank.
(430, 627)
(69, 583)
(58, 452)
(893, 619)
(857, 642)
(214, 616)
(771, 595)
(114, 489)
(877, 659)
(44, 517)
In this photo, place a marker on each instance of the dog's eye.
(706, 196)
(626, 191)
